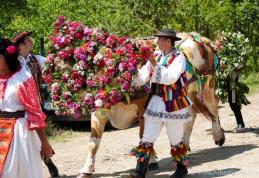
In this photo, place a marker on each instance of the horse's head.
(218, 133)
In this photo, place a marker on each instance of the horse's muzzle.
(222, 141)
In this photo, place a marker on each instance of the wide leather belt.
(156, 89)
(17, 114)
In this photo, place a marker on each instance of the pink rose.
(51, 57)
(90, 83)
(125, 86)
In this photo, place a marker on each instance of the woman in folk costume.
(167, 104)
(34, 64)
(23, 142)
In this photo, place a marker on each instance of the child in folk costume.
(167, 104)
(23, 142)
(34, 64)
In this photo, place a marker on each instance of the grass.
(252, 80)
(56, 133)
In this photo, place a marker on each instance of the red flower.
(74, 75)
(120, 51)
(108, 54)
(110, 71)
(126, 75)
(119, 80)
(101, 94)
(121, 40)
(46, 79)
(100, 63)
(10, 49)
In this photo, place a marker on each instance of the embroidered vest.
(36, 73)
(175, 95)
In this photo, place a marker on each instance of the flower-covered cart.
(88, 68)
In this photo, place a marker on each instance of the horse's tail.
(200, 107)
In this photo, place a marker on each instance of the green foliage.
(136, 18)
(51, 129)
(9, 10)
(252, 81)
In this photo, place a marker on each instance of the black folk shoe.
(180, 172)
(53, 170)
(153, 166)
(141, 169)
(136, 175)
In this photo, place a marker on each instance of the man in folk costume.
(34, 64)
(167, 104)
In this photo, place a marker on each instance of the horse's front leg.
(141, 126)
(188, 126)
(97, 129)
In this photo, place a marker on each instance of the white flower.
(97, 57)
(56, 47)
(54, 85)
(98, 103)
(121, 67)
(64, 66)
(82, 73)
(70, 81)
(88, 95)
(67, 93)
(63, 39)
(91, 74)
(109, 62)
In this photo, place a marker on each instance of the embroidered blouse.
(19, 92)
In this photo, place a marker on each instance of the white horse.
(122, 115)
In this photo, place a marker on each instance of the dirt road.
(239, 157)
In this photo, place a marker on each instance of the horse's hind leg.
(97, 129)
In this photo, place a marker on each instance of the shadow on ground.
(213, 154)
(254, 130)
(197, 158)
(205, 174)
